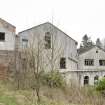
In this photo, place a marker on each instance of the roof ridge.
(83, 50)
(7, 22)
(50, 24)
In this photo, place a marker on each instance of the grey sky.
(74, 17)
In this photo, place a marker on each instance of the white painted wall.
(91, 54)
(9, 43)
(91, 75)
(72, 78)
(91, 71)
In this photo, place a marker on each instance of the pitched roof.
(53, 26)
(83, 50)
(7, 25)
(7, 22)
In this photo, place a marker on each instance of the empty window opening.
(62, 63)
(96, 79)
(2, 36)
(86, 80)
(47, 40)
(102, 62)
(97, 51)
(24, 43)
(89, 62)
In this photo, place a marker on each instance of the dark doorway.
(86, 80)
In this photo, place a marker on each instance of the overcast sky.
(74, 17)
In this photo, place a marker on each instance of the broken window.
(2, 36)
(86, 80)
(62, 63)
(24, 43)
(97, 51)
(47, 40)
(102, 62)
(89, 62)
(96, 79)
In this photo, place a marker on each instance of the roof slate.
(83, 50)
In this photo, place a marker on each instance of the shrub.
(101, 85)
(54, 79)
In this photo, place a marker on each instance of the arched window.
(96, 79)
(86, 80)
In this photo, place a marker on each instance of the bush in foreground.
(101, 85)
(54, 79)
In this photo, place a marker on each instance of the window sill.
(63, 68)
(2, 41)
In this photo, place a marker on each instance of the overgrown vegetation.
(48, 88)
(101, 85)
(54, 79)
(51, 96)
(8, 100)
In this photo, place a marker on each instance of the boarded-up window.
(62, 63)
(102, 62)
(89, 62)
(2, 36)
(47, 40)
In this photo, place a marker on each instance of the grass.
(8, 100)
(50, 96)
(9, 96)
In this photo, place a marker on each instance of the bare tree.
(16, 63)
(40, 55)
(33, 55)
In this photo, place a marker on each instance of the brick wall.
(6, 64)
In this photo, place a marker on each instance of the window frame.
(86, 80)
(26, 43)
(89, 62)
(3, 37)
(62, 63)
(96, 78)
(47, 39)
(102, 63)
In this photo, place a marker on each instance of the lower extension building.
(91, 65)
